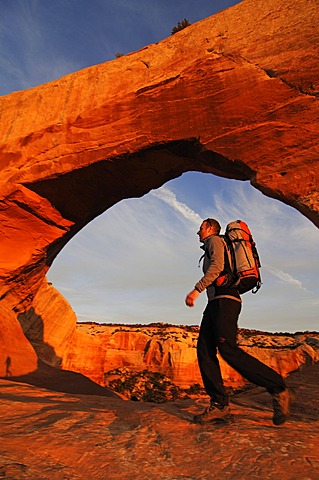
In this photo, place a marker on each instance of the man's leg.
(207, 357)
(210, 371)
(248, 366)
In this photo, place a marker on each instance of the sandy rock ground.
(85, 432)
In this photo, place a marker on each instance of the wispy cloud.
(284, 276)
(169, 197)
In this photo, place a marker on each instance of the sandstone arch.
(235, 95)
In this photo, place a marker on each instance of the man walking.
(218, 331)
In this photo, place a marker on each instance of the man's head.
(210, 226)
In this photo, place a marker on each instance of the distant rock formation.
(171, 351)
(235, 95)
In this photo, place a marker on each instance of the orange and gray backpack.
(242, 261)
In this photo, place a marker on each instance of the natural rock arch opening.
(122, 278)
(83, 194)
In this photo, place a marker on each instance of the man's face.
(205, 230)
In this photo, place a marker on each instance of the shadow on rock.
(63, 381)
(305, 386)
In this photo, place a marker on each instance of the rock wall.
(234, 95)
(171, 350)
(17, 355)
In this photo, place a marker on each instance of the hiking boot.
(214, 413)
(281, 404)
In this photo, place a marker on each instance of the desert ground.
(76, 429)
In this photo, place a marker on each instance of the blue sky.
(137, 261)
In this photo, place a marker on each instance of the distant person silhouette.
(8, 365)
(218, 332)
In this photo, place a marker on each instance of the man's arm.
(216, 265)
(191, 297)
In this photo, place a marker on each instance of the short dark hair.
(213, 223)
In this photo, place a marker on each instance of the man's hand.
(191, 297)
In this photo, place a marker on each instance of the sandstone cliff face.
(235, 95)
(171, 351)
(17, 356)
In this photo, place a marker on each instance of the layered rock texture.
(171, 351)
(83, 435)
(234, 95)
(132, 351)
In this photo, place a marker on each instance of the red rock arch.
(235, 95)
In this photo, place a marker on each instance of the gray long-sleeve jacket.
(213, 264)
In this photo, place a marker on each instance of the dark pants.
(219, 331)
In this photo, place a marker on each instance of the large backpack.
(242, 261)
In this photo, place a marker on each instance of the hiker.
(218, 331)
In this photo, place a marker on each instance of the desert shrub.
(180, 26)
(116, 385)
(144, 386)
(154, 396)
(194, 389)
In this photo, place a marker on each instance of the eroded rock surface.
(53, 435)
(234, 95)
(171, 351)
